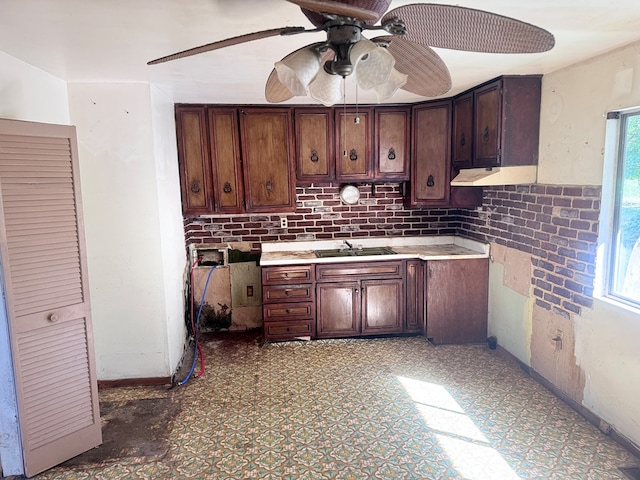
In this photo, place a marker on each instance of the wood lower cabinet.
(445, 299)
(359, 299)
(415, 289)
(288, 308)
(457, 297)
(338, 309)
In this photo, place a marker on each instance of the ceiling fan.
(403, 58)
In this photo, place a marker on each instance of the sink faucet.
(348, 245)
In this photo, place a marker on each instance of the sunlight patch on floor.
(467, 447)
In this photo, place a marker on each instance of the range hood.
(480, 177)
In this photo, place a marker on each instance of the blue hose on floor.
(195, 330)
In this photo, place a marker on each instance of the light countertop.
(437, 247)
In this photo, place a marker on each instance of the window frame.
(614, 156)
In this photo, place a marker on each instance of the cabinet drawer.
(294, 274)
(287, 311)
(287, 293)
(289, 330)
(342, 271)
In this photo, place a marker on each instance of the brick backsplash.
(557, 225)
(320, 215)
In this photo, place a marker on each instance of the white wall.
(28, 94)
(125, 227)
(172, 242)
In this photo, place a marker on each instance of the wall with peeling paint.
(599, 362)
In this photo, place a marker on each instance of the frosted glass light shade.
(298, 69)
(326, 88)
(387, 89)
(373, 66)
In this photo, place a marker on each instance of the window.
(623, 236)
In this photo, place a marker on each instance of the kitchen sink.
(353, 252)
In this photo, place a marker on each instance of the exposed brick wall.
(557, 225)
(320, 215)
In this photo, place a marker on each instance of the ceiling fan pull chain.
(344, 115)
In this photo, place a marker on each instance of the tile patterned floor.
(392, 408)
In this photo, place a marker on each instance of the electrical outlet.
(283, 222)
(249, 290)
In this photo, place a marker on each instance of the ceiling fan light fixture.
(327, 88)
(298, 69)
(373, 64)
(387, 89)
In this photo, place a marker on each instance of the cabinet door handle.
(430, 181)
(227, 187)
(485, 134)
(392, 154)
(314, 156)
(463, 140)
(195, 186)
(355, 290)
(269, 185)
(353, 155)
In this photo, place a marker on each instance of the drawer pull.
(314, 156)
(54, 317)
(287, 293)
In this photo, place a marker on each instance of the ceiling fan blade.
(275, 91)
(360, 9)
(427, 74)
(460, 28)
(229, 42)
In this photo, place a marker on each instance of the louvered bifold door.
(44, 264)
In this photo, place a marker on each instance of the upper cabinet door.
(269, 178)
(314, 146)
(392, 143)
(193, 160)
(488, 113)
(431, 167)
(225, 159)
(462, 136)
(353, 144)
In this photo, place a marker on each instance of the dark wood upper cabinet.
(353, 144)
(431, 155)
(193, 161)
(315, 154)
(505, 119)
(462, 135)
(269, 179)
(392, 134)
(225, 159)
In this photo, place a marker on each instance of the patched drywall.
(509, 302)
(516, 263)
(552, 352)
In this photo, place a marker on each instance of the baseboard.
(591, 417)
(134, 382)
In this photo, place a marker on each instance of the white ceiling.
(111, 41)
